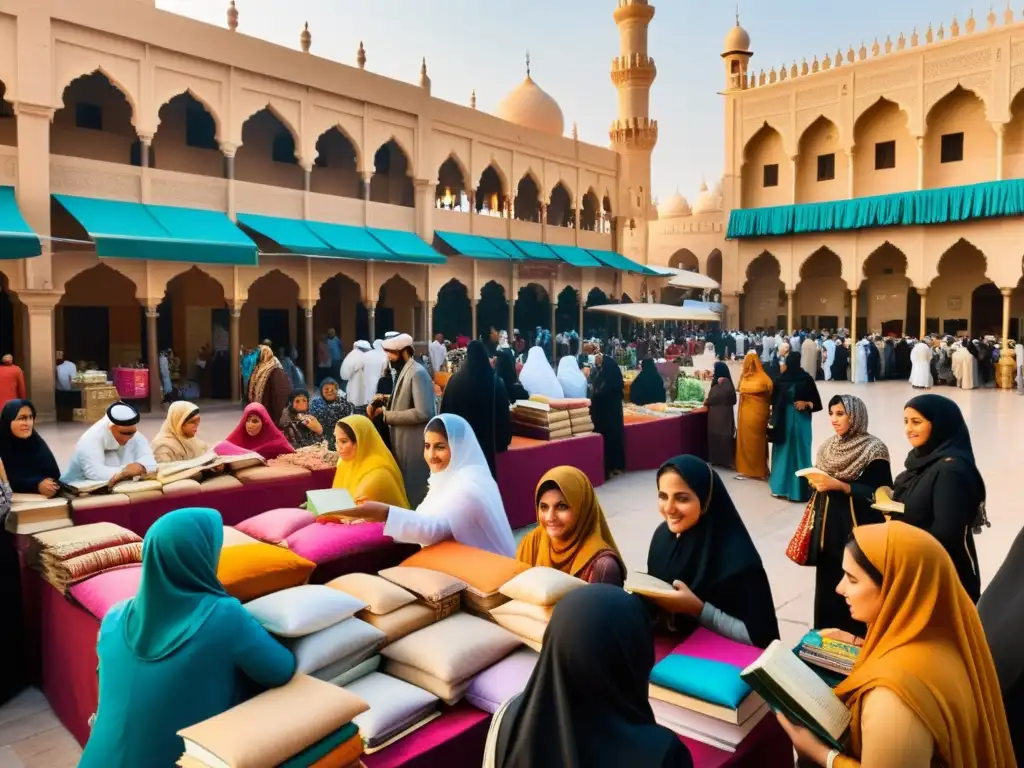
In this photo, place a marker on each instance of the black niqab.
(586, 703)
(506, 368)
(28, 461)
(477, 394)
(648, 387)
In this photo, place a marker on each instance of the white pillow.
(524, 628)
(350, 638)
(541, 586)
(455, 648)
(394, 706)
(303, 610)
(527, 610)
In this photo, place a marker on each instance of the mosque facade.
(132, 140)
(882, 183)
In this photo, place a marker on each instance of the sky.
(482, 45)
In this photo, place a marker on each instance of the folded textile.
(64, 573)
(540, 433)
(79, 534)
(345, 737)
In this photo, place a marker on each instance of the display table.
(653, 440)
(522, 466)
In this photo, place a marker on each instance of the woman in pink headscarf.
(255, 433)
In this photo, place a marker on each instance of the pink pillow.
(496, 685)
(100, 593)
(275, 526)
(323, 543)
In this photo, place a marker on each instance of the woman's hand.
(806, 743)
(801, 405)
(824, 484)
(683, 601)
(314, 425)
(48, 488)
(368, 512)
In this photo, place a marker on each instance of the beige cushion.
(234, 537)
(380, 595)
(220, 483)
(522, 626)
(449, 693)
(541, 586)
(179, 487)
(455, 648)
(529, 610)
(430, 585)
(476, 604)
(98, 502)
(143, 496)
(404, 621)
(263, 474)
(79, 533)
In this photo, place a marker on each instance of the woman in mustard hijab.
(573, 535)
(366, 468)
(924, 690)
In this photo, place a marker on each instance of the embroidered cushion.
(326, 543)
(249, 571)
(496, 685)
(276, 525)
(380, 595)
(541, 586)
(432, 586)
(484, 572)
(100, 593)
(350, 639)
(404, 621)
(303, 610)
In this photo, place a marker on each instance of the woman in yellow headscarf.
(573, 535)
(366, 468)
(752, 420)
(924, 690)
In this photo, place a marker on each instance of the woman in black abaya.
(606, 412)
(648, 386)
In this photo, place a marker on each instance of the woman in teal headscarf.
(169, 657)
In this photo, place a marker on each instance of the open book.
(885, 504)
(192, 469)
(810, 472)
(645, 584)
(329, 501)
(791, 687)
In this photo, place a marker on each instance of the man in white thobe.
(921, 365)
(438, 353)
(830, 357)
(767, 349)
(111, 450)
(353, 371)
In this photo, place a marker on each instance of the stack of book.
(697, 692)
(32, 513)
(579, 419)
(304, 723)
(540, 421)
(832, 655)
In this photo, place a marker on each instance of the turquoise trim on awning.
(573, 256)
(290, 234)
(508, 248)
(407, 246)
(349, 242)
(472, 246)
(17, 240)
(535, 251)
(621, 263)
(125, 230)
(991, 199)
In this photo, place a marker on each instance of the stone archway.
(886, 295)
(527, 200)
(714, 266)
(396, 308)
(950, 161)
(821, 296)
(267, 155)
(99, 322)
(533, 310)
(8, 123)
(685, 259)
(95, 122)
(336, 168)
(491, 193)
(391, 182)
(271, 312)
(949, 303)
(453, 312)
(10, 321)
(764, 294)
(493, 308)
(567, 313)
(450, 193)
(186, 139)
(341, 308)
(194, 320)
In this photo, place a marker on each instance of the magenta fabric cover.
(496, 685)
(704, 644)
(520, 469)
(323, 542)
(100, 593)
(649, 444)
(695, 433)
(456, 738)
(276, 525)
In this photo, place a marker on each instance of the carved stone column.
(39, 360)
(473, 309)
(229, 150)
(371, 316)
(789, 312)
(923, 292)
(307, 308)
(235, 308)
(853, 335)
(153, 358)
(1000, 129)
(1006, 369)
(920, 162)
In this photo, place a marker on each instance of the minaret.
(633, 135)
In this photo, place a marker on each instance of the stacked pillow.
(393, 610)
(100, 593)
(439, 591)
(249, 571)
(496, 685)
(67, 556)
(276, 525)
(445, 657)
(319, 625)
(533, 595)
(483, 572)
(301, 724)
(396, 709)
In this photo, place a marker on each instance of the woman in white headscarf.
(574, 383)
(538, 376)
(463, 502)
(705, 361)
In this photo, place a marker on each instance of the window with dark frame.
(283, 148)
(771, 175)
(88, 116)
(827, 167)
(885, 155)
(200, 130)
(952, 148)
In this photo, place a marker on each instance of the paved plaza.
(31, 737)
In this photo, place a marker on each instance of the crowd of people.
(938, 680)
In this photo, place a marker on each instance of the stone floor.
(31, 737)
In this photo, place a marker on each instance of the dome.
(674, 207)
(531, 107)
(708, 201)
(737, 40)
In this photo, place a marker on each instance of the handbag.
(777, 421)
(799, 548)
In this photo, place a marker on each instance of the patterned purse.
(799, 547)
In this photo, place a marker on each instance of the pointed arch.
(767, 174)
(590, 211)
(451, 191)
(391, 182)
(199, 99)
(278, 114)
(527, 200)
(454, 159)
(960, 145)
(344, 134)
(561, 212)
(104, 72)
(96, 121)
(942, 93)
(399, 144)
(493, 172)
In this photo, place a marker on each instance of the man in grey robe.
(411, 406)
(809, 354)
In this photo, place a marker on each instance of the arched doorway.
(194, 321)
(492, 311)
(341, 307)
(533, 310)
(949, 304)
(491, 193)
(453, 312)
(391, 182)
(821, 296)
(714, 266)
(186, 139)
(95, 122)
(271, 312)
(567, 313)
(884, 291)
(336, 168)
(684, 259)
(8, 333)
(99, 324)
(598, 324)
(986, 311)
(267, 155)
(560, 210)
(590, 212)
(450, 192)
(8, 121)
(764, 295)
(527, 202)
(396, 307)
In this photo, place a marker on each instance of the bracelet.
(831, 760)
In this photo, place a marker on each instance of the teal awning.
(508, 248)
(290, 234)
(17, 240)
(472, 246)
(347, 241)
(620, 262)
(407, 246)
(125, 230)
(536, 251)
(946, 205)
(573, 256)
